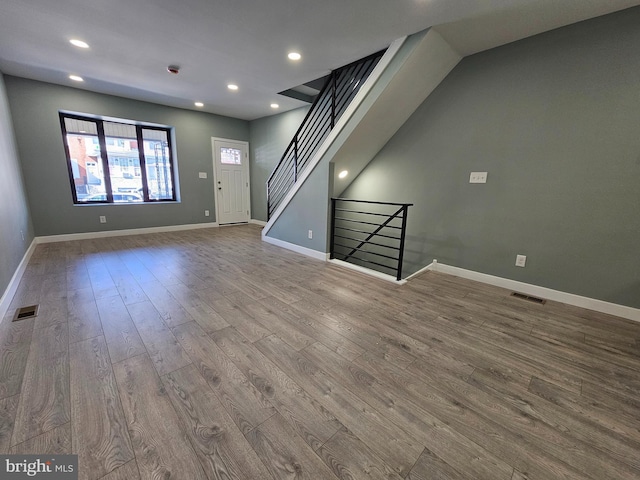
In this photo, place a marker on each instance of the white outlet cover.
(478, 177)
(103, 219)
(521, 260)
(206, 213)
(202, 174)
(310, 233)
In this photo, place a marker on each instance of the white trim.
(120, 233)
(296, 248)
(623, 311)
(432, 266)
(257, 222)
(367, 271)
(337, 130)
(11, 289)
(245, 170)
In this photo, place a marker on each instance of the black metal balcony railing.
(339, 90)
(369, 234)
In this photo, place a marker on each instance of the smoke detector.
(175, 69)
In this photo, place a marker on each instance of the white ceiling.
(216, 42)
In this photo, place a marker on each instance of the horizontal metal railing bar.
(366, 261)
(367, 213)
(369, 223)
(368, 233)
(377, 203)
(366, 241)
(367, 252)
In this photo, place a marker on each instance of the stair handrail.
(318, 130)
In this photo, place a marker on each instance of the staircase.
(340, 88)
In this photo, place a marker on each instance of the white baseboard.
(257, 222)
(367, 271)
(120, 233)
(623, 311)
(11, 289)
(296, 248)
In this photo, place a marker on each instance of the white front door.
(231, 180)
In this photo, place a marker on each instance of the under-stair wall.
(405, 76)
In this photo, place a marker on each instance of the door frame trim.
(215, 175)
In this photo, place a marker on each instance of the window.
(106, 164)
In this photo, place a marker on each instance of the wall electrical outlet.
(310, 233)
(202, 174)
(521, 260)
(103, 219)
(206, 213)
(22, 234)
(478, 177)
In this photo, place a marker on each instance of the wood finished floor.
(209, 354)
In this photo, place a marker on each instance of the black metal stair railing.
(341, 87)
(369, 234)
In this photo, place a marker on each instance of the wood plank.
(430, 467)
(44, 400)
(8, 408)
(56, 441)
(276, 444)
(15, 343)
(128, 471)
(234, 315)
(204, 315)
(246, 405)
(162, 346)
(120, 333)
(84, 319)
(349, 457)
(50, 312)
(435, 397)
(314, 423)
(394, 445)
(410, 413)
(159, 441)
(219, 444)
(99, 430)
(168, 307)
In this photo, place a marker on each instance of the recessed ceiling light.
(76, 78)
(294, 56)
(275, 105)
(231, 86)
(199, 104)
(343, 174)
(79, 43)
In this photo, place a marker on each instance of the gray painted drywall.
(308, 210)
(34, 108)
(554, 120)
(15, 219)
(268, 139)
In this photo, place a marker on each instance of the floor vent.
(529, 298)
(26, 312)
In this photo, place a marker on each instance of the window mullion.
(143, 164)
(105, 161)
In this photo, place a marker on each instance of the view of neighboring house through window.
(106, 164)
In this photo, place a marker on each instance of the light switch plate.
(202, 174)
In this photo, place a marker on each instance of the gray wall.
(15, 220)
(554, 120)
(268, 139)
(34, 108)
